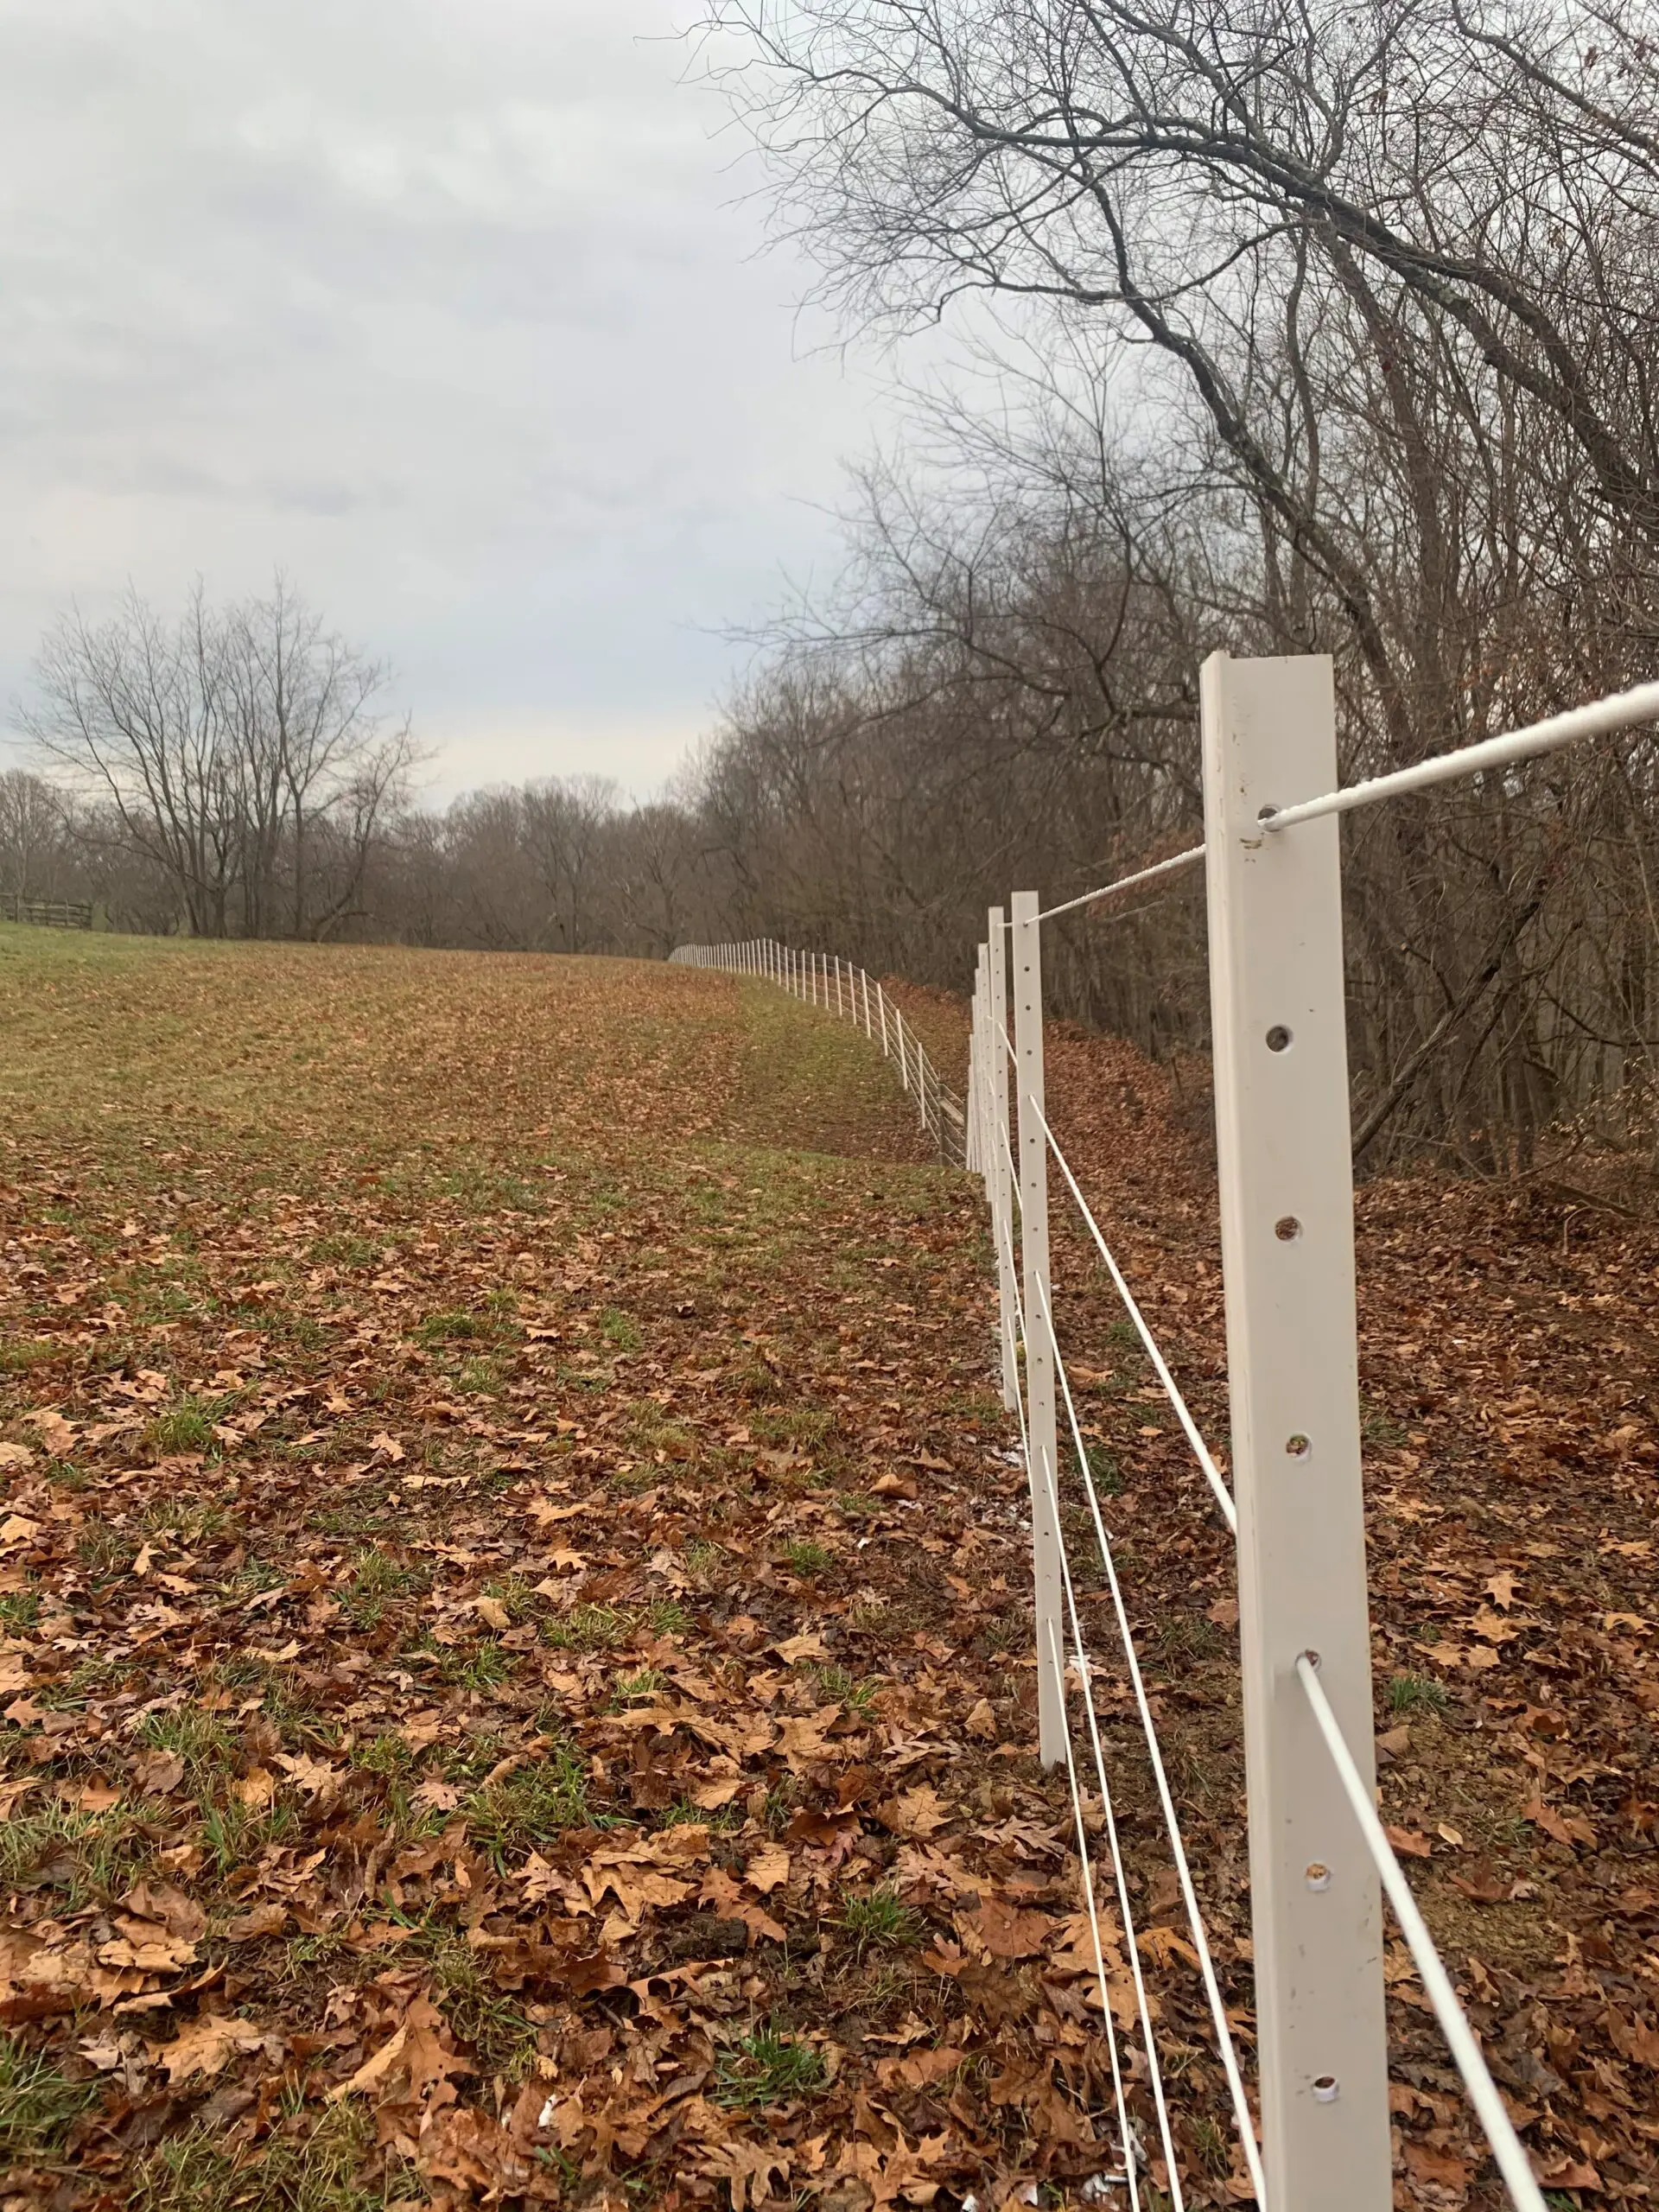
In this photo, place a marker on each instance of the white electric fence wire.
(1178, 1848)
(1130, 1943)
(1617, 711)
(1127, 882)
(1201, 1451)
(1125, 2140)
(1512, 2161)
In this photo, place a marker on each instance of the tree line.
(1295, 328)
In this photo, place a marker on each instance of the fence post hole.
(1283, 1139)
(1040, 1424)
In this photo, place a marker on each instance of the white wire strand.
(1617, 711)
(1195, 1919)
(1126, 2140)
(1200, 1450)
(1131, 1946)
(1126, 883)
(1124, 2135)
(1512, 2161)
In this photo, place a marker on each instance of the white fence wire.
(1319, 1850)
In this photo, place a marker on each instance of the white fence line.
(836, 987)
(1318, 1848)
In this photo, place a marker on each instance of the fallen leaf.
(919, 1812)
(313, 1778)
(159, 1773)
(261, 1921)
(149, 1946)
(1005, 1931)
(56, 1433)
(1411, 1841)
(894, 1485)
(202, 2046)
(1566, 1827)
(768, 1869)
(793, 1648)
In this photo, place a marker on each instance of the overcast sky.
(453, 308)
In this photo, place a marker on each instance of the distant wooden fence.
(46, 913)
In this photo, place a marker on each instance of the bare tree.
(240, 751)
(34, 834)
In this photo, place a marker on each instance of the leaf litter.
(516, 1620)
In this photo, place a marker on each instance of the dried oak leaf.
(147, 1945)
(768, 1869)
(202, 2046)
(416, 2052)
(919, 1812)
(1005, 1931)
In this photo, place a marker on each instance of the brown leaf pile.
(515, 1635)
(517, 1649)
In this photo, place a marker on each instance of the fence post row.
(1283, 1138)
(809, 976)
(1041, 1433)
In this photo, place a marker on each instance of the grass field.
(462, 1420)
(514, 1630)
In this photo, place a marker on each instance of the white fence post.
(1041, 1441)
(899, 1039)
(1283, 1138)
(981, 1073)
(1002, 1198)
(864, 985)
(881, 1009)
(970, 1139)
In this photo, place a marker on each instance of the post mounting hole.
(1298, 1446)
(1278, 1038)
(1287, 1228)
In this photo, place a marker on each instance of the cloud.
(453, 308)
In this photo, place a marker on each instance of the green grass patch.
(39, 2104)
(590, 1628)
(186, 1427)
(319, 2169)
(1409, 1694)
(618, 1329)
(806, 1559)
(879, 1921)
(530, 1806)
(765, 2068)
